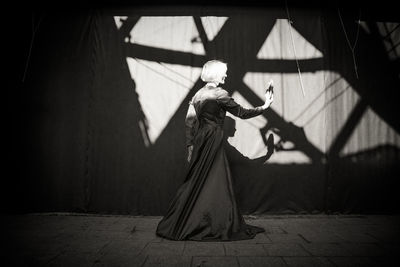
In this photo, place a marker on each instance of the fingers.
(269, 96)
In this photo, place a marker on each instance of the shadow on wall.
(88, 149)
(362, 181)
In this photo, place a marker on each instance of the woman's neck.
(212, 84)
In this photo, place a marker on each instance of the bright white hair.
(213, 70)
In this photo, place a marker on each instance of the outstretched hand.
(269, 94)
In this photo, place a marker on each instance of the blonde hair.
(213, 70)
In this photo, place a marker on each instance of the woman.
(204, 207)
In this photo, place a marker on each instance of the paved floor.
(85, 240)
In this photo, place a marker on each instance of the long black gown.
(204, 208)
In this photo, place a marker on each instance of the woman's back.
(207, 106)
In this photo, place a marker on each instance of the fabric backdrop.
(105, 94)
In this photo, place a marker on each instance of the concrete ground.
(90, 240)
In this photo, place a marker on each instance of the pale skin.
(269, 98)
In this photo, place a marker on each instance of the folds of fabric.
(204, 207)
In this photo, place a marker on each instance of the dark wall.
(76, 144)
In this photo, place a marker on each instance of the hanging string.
(176, 72)
(294, 48)
(34, 30)
(352, 47)
(160, 73)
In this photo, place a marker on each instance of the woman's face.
(222, 78)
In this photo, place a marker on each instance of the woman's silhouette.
(204, 207)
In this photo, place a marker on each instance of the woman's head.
(214, 71)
